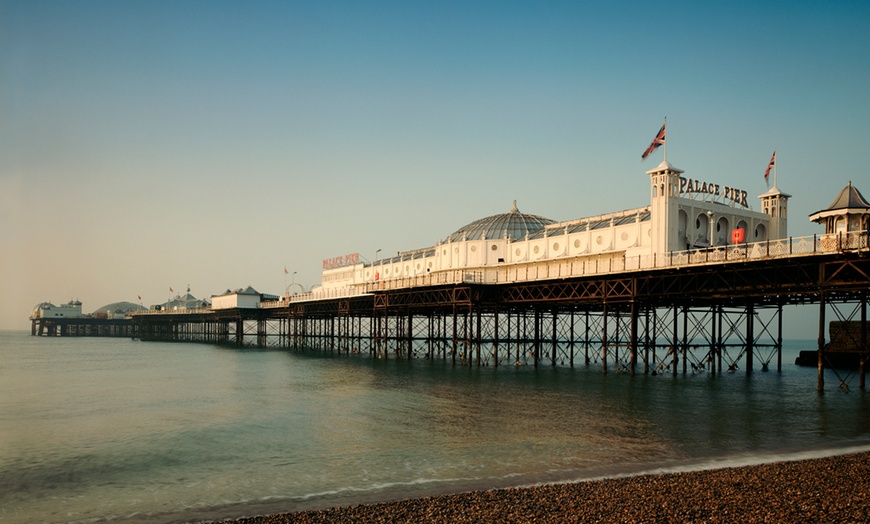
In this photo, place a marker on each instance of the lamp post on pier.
(710, 220)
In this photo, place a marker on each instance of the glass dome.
(514, 225)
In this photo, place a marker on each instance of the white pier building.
(684, 214)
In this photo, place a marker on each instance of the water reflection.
(91, 428)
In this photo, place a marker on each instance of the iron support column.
(676, 340)
(495, 338)
(862, 357)
(604, 341)
(820, 383)
(779, 337)
(685, 344)
(478, 318)
(632, 348)
(553, 341)
(750, 337)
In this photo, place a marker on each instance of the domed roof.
(513, 224)
(120, 307)
(40, 306)
(849, 200)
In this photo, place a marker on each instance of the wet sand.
(832, 489)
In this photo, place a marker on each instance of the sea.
(120, 430)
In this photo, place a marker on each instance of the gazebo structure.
(848, 213)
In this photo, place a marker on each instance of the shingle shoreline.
(830, 489)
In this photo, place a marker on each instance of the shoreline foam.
(828, 489)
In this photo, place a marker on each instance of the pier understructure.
(82, 327)
(703, 318)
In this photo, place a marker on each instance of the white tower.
(664, 192)
(774, 204)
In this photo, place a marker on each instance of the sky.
(164, 144)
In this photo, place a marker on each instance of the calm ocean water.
(125, 431)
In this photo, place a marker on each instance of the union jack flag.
(657, 141)
(769, 166)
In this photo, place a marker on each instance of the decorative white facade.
(683, 214)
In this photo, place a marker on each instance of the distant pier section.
(67, 320)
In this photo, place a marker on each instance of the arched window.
(723, 231)
(702, 226)
(760, 233)
(682, 225)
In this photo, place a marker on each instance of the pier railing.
(314, 295)
(177, 311)
(584, 266)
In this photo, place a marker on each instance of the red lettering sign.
(342, 261)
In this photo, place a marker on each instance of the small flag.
(657, 141)
(285, 270)
(171, 290)
(770, 165)
(140, 297)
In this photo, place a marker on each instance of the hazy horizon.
(155, 145)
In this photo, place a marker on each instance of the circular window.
(473, 249)
(517, 251)
(577, 243)
(456, 250)
(429, 265)
(418, 267)
(444, 252)
(556, 246)
(599, 240)
(494, 247)
(624, 235)
(536, 250)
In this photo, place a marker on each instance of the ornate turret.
(849, 212)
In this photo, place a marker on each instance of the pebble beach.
(830, 489)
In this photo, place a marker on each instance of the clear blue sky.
(148, 145)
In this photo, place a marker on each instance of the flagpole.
(665, 126)
(775, 162)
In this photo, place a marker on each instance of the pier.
(694, 282)
(703, 311)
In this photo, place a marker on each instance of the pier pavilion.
(684, 214)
